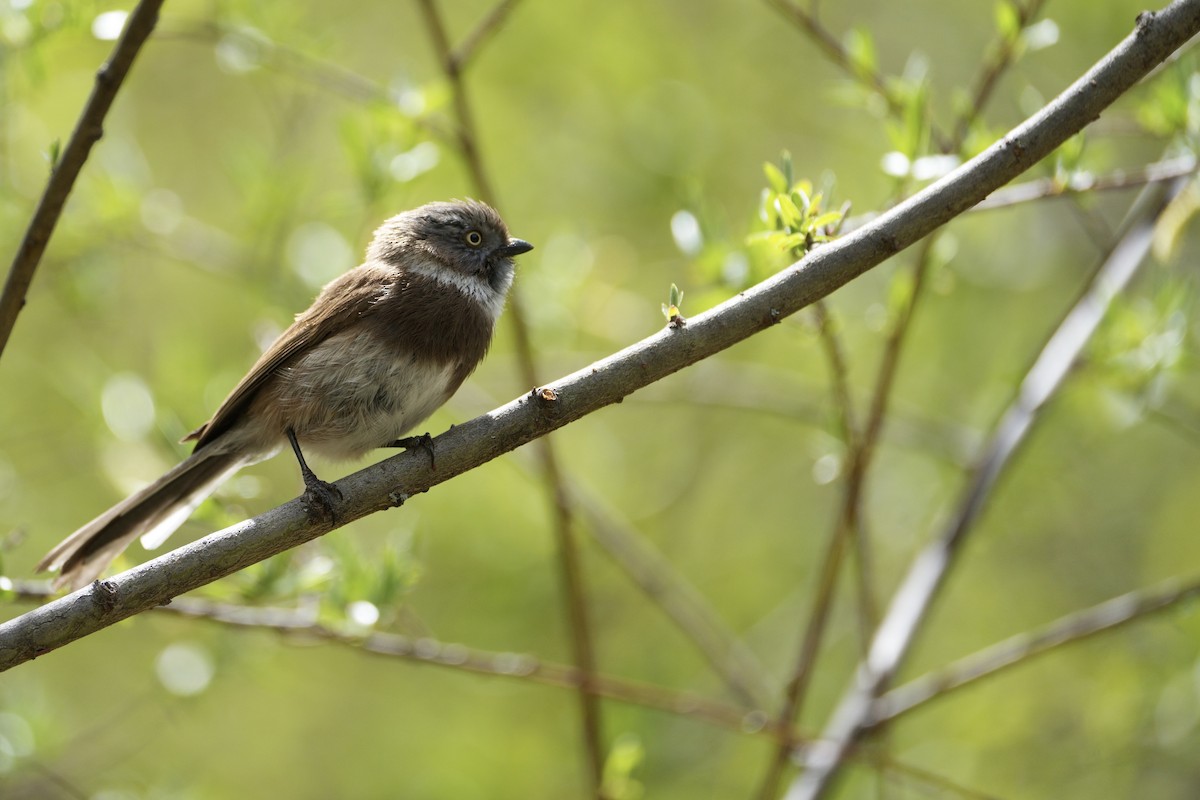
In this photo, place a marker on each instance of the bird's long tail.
(154, 512)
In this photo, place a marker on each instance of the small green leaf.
(1008, 20)
(676, 296)
(789, 212)
(670, 309)
(861, 49)
(916, 121)
(828, 218)
(793, 242)
(626, 755)
(775, 178)
(801, 200)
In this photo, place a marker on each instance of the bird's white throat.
(489, 298)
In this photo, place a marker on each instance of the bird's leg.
(424, 441)
(321, 498)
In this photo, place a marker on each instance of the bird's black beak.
(515, 247)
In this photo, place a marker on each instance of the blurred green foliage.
(249, 157)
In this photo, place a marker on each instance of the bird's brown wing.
(341, 302)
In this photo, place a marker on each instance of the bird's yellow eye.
(474, 238)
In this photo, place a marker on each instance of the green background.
(236, 177)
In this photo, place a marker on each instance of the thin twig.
(821, 36)
(327, 75)
(730, 658)
(837, 54)
(1100, 232)
(853, 524)
(1002, 55)
(88, 130)
(571, 573)
(881, 761)
(912, 601)
(465, 137)
(797, 688)
(1082, 182)
(859, 455)
(487, 26)
(302, 623)
(1024, 647)
(847, 522)
(464, 447)
(1177, 424)
(889, 364)
(839, 381)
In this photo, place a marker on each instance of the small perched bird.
(381, 348)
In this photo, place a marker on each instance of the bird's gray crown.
(466, 238)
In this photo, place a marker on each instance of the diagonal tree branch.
(911, 602)
(88, 131)
(1024, 647)
(388, 483)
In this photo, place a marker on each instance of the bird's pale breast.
(356, 391)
